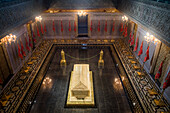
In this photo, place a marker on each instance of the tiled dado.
(36, 84)
(15, 91)
(140, 83)
(131, 95)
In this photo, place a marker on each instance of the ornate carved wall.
(154, 16)
(83, 4)
(103, 17)
(4, 3)
(12, 49)
(17, 13)
(93, 17)
(164, 51)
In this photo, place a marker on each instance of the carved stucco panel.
(15, 14)
(156, 19)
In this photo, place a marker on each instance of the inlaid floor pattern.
(110, 96)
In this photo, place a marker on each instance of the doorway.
(83, 26)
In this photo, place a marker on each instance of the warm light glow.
(125, 18)
(147, 39)
(38, 18)
(117, 81)
(150, 38)
(156, 40)
(123, 78)
(47, 80)
(82, 13)
(117, 84)
(147, 34)
(8, 39)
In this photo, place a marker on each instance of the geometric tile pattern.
(109, 96)
(20, 83)
(135, 86)
(140, 84)
(32, 92)
(155, 16)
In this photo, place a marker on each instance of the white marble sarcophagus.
(81, 86)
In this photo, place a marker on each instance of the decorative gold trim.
(136, 67)
(133, 62)
(140, 73)
(152, 92)
(107, 10)
(29, 31)
(135, 31)
(130, 57)
(159, 103)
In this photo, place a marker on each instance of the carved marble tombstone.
(81, 81)
(81, 86)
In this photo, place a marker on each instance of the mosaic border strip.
(133, 99)
(18, 87)
(127, 86)
(33, 90)
(134, 83)
(140, 84)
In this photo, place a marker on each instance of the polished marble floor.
(109, 94)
